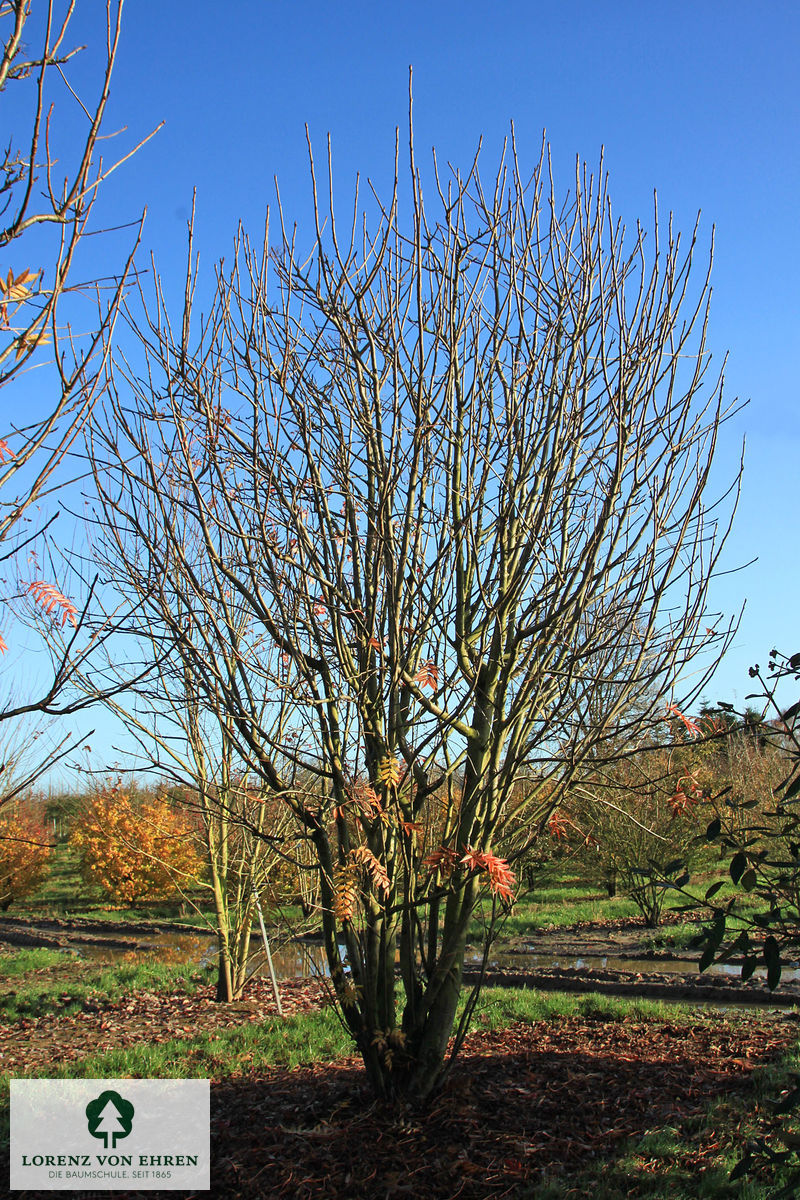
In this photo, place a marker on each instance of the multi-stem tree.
(48, 190)
(416, 457)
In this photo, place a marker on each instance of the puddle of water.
(291, 961)
(297, 959)
(609, 962)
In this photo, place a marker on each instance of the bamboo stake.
(269, 956)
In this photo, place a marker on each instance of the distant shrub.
(136, 849)
(632, 827)
(24, 853)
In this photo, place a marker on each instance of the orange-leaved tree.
(143, 849)
(25, 851)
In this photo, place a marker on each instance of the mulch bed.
(533, 1100)
(523, 1103)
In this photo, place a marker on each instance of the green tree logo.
(109, 1116)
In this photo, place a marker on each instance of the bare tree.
(186, 737)
(48, 190)
(416, 458)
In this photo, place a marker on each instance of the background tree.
(185, 736)
(25, 851)
(48, 191)
(416, 465)
(136, 848)
(635, 822)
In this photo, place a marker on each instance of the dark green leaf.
(742, 1167)
(793, 789)
(738, 866)
(789, 1102)
(712, 891)
(749, 880)
(715, 936)
(772, 958)
(713, 830)
(748, 967)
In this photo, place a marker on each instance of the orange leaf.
(389, 771)
(363, 856)
(692, 727)
(428, 675)
(51, 599)
(442, 860)
(556, 825)
(501, 877)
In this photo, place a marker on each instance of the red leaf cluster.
(52, 600)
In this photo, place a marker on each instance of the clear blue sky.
(699, 100)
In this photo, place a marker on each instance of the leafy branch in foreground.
(757, 827)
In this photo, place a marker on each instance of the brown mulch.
(523, 1103)
(535, 1100)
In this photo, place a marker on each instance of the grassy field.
(41, 981)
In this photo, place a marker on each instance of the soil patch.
(72, 933)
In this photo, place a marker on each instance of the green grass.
(52, 981)
(555, 908)
(500, 1007)
(20, 962)
(295, 1041)
(672, 937)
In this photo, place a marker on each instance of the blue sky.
(698, 100)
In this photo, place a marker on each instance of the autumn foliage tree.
(25, 852)
(634, 824)
(136, 849)
(388, 479)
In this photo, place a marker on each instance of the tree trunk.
(224, 992)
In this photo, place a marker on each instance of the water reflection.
(531, 961)
(296, 959)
